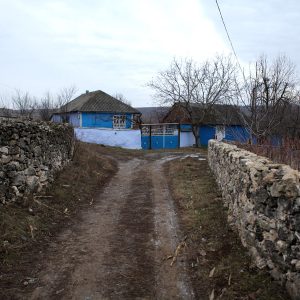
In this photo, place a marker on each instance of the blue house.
(175, 130)
(217, 122)
(98, 110)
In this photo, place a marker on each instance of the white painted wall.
(130, 139)
(186, 139)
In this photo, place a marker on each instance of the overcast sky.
(118, 46)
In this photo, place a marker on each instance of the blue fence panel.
(160, 142)
(145, 142)
(171, 142)
(157, 142)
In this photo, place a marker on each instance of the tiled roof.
(98, 101)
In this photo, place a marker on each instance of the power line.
(230, 41)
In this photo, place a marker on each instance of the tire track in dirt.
(118, 249)
(172, 281)
(131, 266)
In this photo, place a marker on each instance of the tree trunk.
(195, 130)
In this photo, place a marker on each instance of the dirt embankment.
(218, 265)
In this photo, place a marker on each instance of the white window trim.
(119, 122)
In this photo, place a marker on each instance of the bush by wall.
(30, 154)
(263, 199)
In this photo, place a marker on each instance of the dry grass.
(26, 230)
(210, 240)
(287, 153)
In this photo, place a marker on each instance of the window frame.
(119, 121)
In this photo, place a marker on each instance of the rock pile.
(30, 154)
(263, 199)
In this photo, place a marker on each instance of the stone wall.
(263, 199)
(30, 154)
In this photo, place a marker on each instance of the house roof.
(218, 114)
(98, 101)
(153, 114)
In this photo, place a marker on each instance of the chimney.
(87, 91)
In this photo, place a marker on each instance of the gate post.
(150, 137)
(178, 135)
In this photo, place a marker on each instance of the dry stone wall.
(30, 154)
(263, 199)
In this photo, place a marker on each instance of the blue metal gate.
(160, 136)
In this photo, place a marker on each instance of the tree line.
(29, 107)
(265, 98)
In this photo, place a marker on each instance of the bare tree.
(4, 109)
(196, 88)
(290, 125)
(24, 103)
(271, 89)
(64, 96)
(122, 98)
(46, 107)
(136, 120)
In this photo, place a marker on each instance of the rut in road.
(118, 250)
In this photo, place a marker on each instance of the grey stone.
(5, 159)
(16, 191)
(32, 183)
(30, 171)
(15, 136)
(4, 150)
(281, 246)
(37, 151)
(13, 166)
(272, 235)
(19, 180)
(276, 274)
(42, 176)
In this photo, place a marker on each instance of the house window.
(119, 121)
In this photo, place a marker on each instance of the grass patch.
(211, 242)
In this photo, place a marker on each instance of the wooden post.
(178, 135)
(150, 137)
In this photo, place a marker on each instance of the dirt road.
(120, 247)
